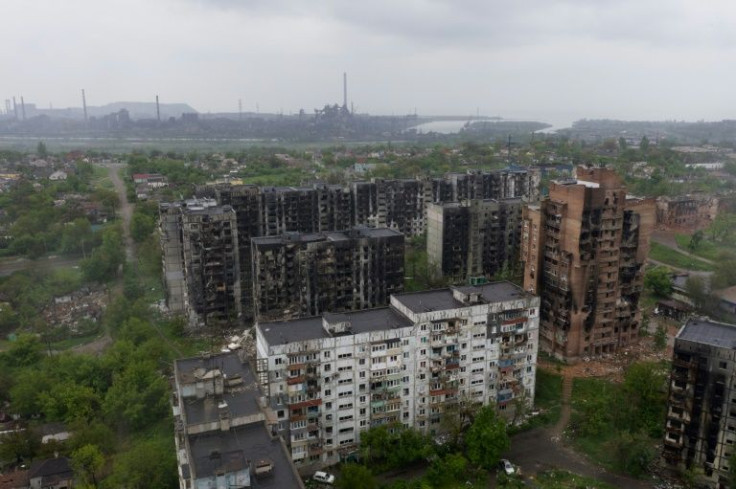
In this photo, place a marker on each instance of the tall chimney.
(158, 110)
(15, 108)
(84, 105)
(23, 107)
(345, 90)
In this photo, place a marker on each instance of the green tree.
(644, 398)
(486, 438)
(41, 149)
(141, 226)
(658, 281)
(447, 471)
(150, 464)
(138, 397)
(695, 240)
(20, 444)
(87, 462)
(355, 476)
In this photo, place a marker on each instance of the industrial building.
(307, 274)
(329, 378)
(701, 409)
(224, 433)
(473, 239)
(584, 248)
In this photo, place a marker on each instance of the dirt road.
(126, 210)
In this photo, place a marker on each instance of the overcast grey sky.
(635, 59)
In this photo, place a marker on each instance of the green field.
(706, 249)
(674, 258)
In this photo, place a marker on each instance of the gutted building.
(224, 434)
(307, 274)
(398, 204)
(584, 248)
(209, 246)
(473, 238)
(701, 409)
(686, 212)
(332, 377)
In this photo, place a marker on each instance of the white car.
(506, 466)
(323, 477)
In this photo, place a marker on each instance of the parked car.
(323, 477)
(506, 466)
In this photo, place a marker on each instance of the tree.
(19, 444)
(87, 462)
(355, 476)
(644, 144)
(697, 291)
(695, 240)
(644, 397)
(486, 438)
(658, 281)
(151, 464)
(447, 471)
(137, 398)
(141, 226)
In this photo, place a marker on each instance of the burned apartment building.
(686, 212)
(201, 261)
(224, 434)
(330, 378)
(701, 408)
(400, 205)
(584, 248)
(473, 239)
(307, 274)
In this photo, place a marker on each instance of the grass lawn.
(561, 479)
(706, 249)
(75, 341)
(676, 259)
(548, 396)
(594, 446)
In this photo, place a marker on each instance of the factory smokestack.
(158, 110)
(345, 91)
(15, 109)
(84, 105)
(23, 107)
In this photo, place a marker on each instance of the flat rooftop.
(386, 318)
(379, 319)
(443, 299)
(236, 448)
(708, 332)
(242, 400)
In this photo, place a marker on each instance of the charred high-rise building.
(202, 237)
(297, 275)
(700, 432)
(473, 238)
(583, 250)
(400, 205)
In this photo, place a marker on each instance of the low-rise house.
(58, 175)
(52, 473)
